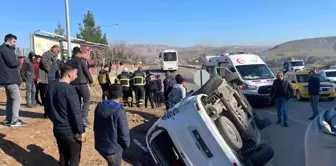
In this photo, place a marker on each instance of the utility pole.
(67, 17)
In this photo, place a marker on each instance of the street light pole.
(67, 17)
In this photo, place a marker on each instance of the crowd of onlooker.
(63, 89)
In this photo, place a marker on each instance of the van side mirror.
(293, 81)
(160, 56)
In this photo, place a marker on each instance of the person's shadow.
(34, 156)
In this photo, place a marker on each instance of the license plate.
(321, 92)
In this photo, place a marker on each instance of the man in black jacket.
(168, 84)
(151, 88)
(81, 82)
(27, 75)
(159, 97)
(281, 91)
(111, 130)
(314, 92)
(64, 111)
(10, 79)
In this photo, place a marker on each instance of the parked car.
(329, 74)
(320, 140)
(212, 126)
(300, 81)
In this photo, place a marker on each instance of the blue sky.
(179, 22)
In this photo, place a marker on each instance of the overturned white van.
(212, 127)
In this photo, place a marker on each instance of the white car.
(211, 127)
(320, 140)
(329, 74)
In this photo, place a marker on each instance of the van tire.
(229, 132)
(210, 86)
(262, 155)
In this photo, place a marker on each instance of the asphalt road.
(288, 143)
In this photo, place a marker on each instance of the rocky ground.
(35, 144)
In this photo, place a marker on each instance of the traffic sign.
(201, 77)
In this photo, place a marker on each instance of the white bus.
(169, 60)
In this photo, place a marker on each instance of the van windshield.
(296, 63)
(254, 72)
(169, 56)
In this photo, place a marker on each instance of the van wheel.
(262, 155)
(298, 95)
(229, 132)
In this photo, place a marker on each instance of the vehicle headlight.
(305, 88)
(249, 87)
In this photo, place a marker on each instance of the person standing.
(36, 70)
(10, 80)
(178, 92)
(104, 80)
(81, 82)
(111, 131)
(281, 91)
(138, 84)
(159, 97)
(124, 79)
(48, 72)
(132, 91)
(314, 91)
(151, 88)
(65, 113)
(168, 84)
(27, 75)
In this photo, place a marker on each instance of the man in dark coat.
(81, 83)
(314, 91)
(10, 80)
(49, 71)
(111, 131)
(281, 91)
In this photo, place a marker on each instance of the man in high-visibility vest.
(124, 80)
(138, 84)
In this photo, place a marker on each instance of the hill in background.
(315, 51)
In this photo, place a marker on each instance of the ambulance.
(255, 76)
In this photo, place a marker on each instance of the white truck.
(213, 126)
(253, 74)
(293, 65)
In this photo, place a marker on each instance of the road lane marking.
(291, 118)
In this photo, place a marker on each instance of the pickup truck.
(213, 126)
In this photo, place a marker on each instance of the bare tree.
(204, 50)
(122, 51)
